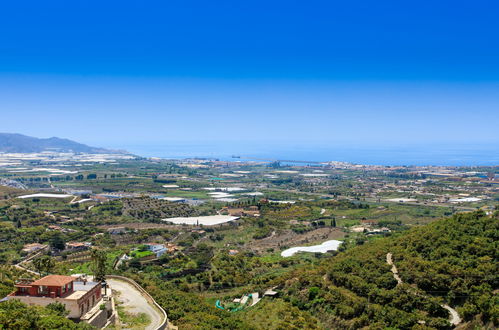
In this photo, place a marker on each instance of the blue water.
(448, 155)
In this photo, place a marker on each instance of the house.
(78, 246)
(379, 231)
(157, 249)
(77, 296)
(369, 222)
(33, 247)
(116, 230)
(240, 212)
(172, 247)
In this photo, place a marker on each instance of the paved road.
(135, 302)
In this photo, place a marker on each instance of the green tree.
(58, 308)
(99, 266)
(44, 264)
(57, 242)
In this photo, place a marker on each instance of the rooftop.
(84, 286)
(54, 280)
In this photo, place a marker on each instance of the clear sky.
(122, 73)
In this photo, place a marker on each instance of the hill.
(19, 143)
(452, 262)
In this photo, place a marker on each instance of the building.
(241, 212)
(116, 230)
(79, 297)
(368, 222)
(174, 199)
(157, 249)
(78, 246)
(33, 247)
(160, 249)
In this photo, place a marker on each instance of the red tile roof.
(54, 280)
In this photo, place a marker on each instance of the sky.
(317, 73)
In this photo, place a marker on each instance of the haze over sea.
(446, 155)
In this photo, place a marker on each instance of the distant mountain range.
(19, 143)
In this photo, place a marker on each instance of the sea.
(390, 155)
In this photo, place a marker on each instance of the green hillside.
(452, 261)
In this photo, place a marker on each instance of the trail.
(454, 318)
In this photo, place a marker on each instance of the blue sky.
(124, 73)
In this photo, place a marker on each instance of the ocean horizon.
(437, 155)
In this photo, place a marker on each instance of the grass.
(187, 194)
(131, 320)
(141, 254)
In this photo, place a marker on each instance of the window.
(42, 289)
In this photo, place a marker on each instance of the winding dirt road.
(454, 318)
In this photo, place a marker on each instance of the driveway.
(134, 302)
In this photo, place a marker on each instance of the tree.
(99, 266)
(58, 308)
(38, 265)
(44, 264)
(135, 263)
(56, 242)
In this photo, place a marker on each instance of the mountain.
(26, 144)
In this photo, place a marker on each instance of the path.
(135, 302)
(20, 264)
(454, 316)
(394, 270)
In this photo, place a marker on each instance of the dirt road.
(454, 318)
(135, 302)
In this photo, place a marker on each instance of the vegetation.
(17, 315)
(452, 260)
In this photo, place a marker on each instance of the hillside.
(452, 261)
(19, 143)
